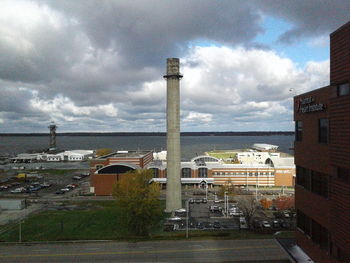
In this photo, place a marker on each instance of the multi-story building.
(322, 158)
(105, 170)
(269, 169)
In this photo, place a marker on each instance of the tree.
(284, 202)
(228, 187)
(139, 201)
(248, 205)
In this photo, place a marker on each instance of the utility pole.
(20, 231)
(187, 215)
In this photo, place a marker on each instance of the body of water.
(190, 145)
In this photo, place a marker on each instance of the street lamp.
(187, 214)
(206, 191)
(226, 203)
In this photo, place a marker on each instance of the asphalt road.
(161, 251)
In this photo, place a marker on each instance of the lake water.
(190, 145)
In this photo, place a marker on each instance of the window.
(303, 222)
(155, 172)
(315, 182)
(343, 174)
(202, 172)
(343, 89)
(323, 130)
(319, 184)
(303, 177)
(186, 172)
(298, 130)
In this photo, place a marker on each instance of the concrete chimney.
(173, 188)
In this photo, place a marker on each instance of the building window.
(323, 130)
(298, 130)
(343, 174)
(303, 177)
(343, 89)
(303, 222)
(155, 172)
(98, 167)
(319, 184)
(186, 173)
(202, 172)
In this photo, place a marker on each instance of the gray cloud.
(309, 18)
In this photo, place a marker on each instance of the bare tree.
(248, 205)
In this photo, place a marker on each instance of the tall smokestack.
(173, 188)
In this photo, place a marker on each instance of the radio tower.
(52, 128)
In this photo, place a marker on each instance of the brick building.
(106, 170)
(322, 158)
(269, 171)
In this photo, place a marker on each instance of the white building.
(70, 156)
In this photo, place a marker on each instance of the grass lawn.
(99, 223)
(223, 155)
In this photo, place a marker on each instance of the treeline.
(248, 133)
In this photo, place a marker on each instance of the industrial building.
(270, 170)
(322, 158)
(68, 156)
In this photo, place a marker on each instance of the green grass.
(100, 223)
(222, 155)
(57, 171)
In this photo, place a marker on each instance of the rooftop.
(125, 154)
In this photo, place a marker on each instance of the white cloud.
(198, 117)
(62, 108)
(318, 42)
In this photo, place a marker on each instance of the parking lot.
(43, 183)
(206, 214)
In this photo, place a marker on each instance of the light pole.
(20, 231)
(206, 191)
(226, 203)
(187, 214)
(257, 185)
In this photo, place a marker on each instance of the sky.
(98, 65)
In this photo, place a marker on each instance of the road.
(266, 250)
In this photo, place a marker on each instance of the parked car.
(34, 188)
(18, 190)
(200, 225)
(276, 224)
(266, 224)
(217, 225)
(65, 189)
(77, 177)
(59, 192)
(3, 187)
(235, 211)
(215, 208)
(45, 185)
(243, 223)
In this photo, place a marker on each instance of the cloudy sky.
(98, 65)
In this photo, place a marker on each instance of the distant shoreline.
(249, 133)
